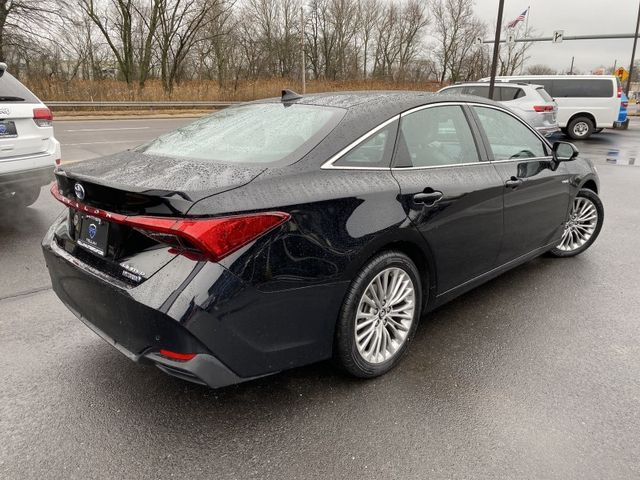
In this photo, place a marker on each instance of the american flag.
(518, 19)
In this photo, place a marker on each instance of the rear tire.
(580, 128)
(583, 225)
(379, 315)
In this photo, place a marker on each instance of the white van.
(586, 103)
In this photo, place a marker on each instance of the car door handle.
(427, 198)
(514, 182)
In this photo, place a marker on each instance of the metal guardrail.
(126, 105)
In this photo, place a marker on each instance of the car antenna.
(289, 96)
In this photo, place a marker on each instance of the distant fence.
(71, 105)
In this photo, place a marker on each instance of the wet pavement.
(535, 374)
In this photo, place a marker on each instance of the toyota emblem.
(79, 191)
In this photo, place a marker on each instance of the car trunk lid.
(19, 134)
(104, 194)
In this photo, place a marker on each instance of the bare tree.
(455, 27)
(541, 69)
(129, 29)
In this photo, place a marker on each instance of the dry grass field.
(114, 90)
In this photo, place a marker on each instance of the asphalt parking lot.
(535, 374)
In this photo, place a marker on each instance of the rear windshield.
(543, 93)
(11, 90)
(250, 134)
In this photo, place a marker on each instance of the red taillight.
(215, 238)
(43, 117)
(543, 108)
(181, 357)
(619, 91)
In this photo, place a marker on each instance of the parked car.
(531, 102)
(585, 102)
(28, 149)
(623, 118)
(291, 230)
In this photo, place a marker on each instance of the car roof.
(498, 84)
(372, 103)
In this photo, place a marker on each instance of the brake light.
(43, 117)
(619, 91)
(213, 238)
(181, 357)
(543, 108)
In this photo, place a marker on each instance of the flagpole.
(526, 27)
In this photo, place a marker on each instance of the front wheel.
(379, 315)
(583, 225)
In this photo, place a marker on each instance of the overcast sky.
(575, 17)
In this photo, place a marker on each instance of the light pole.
(496, 49)
(633, 52)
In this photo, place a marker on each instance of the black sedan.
(302, 228)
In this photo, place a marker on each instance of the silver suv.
(530, 102)
(28, 149)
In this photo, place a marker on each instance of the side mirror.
(564, 151)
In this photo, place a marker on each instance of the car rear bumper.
(236, 331)
(134, 329)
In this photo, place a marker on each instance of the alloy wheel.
(384, 315)
(581, 129)
(582, 222)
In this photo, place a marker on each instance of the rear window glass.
(251, 134)
(509, 93)
(543, 93)
(11, 90)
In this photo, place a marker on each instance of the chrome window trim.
(329, 164)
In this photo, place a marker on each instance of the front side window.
(260, 133)
(435, 136)
(509, 138)
(375, 151)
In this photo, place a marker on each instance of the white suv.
(28, 150)
(530, 102)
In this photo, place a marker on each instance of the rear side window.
(435, 136)
(509, 93)
(11, 90)
(586, 88)
(259, 133)
(375, 151)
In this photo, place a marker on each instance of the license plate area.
(94, 234)
(8, 129)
